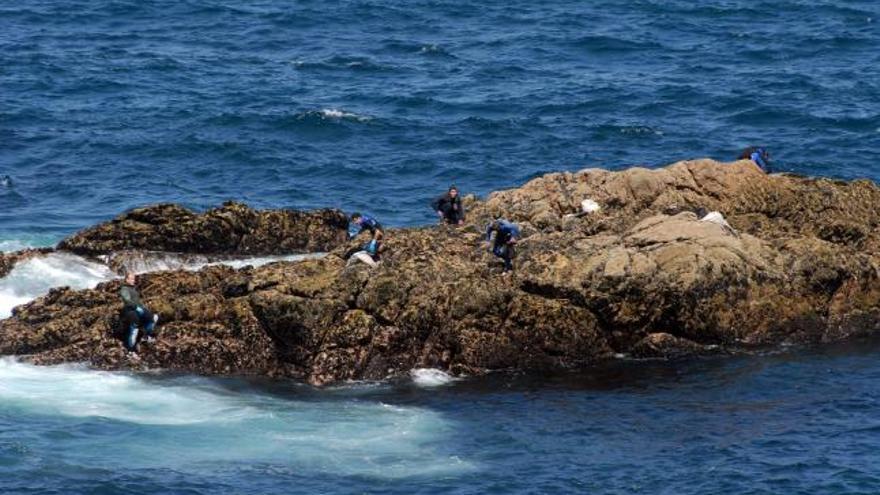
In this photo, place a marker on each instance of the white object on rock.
(363, 256)
(589, 206)
(718, 219)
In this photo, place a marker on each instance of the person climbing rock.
(502, 236)
(370, 251)
(449, 208)
(135, 316)
(759, 155)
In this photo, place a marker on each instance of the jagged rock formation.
(233, 228)
(643, 276)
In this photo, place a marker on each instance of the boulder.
(233, 228)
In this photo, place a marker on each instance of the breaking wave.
(209, 421)
(35, 277)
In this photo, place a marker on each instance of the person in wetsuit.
(502, 236)
(449, 208)
(135, 316)
(368, 223)
(759, 155)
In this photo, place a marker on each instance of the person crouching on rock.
(134, 315)
(759, 155)
(502, 236)
(449, 208)
(369, 254)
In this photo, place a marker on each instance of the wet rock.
(233, 228)
(665, 346)
(642, 276)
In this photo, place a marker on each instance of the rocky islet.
(643, 276)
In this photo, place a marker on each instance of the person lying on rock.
(759, 155)
(134, 315)
(502, 236)
(373, 247)
(449, 208)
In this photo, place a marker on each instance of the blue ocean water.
(377, 106)
(796, 424)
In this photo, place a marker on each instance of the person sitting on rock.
(502, 236)
(374, 245)
(449, 208)
(134, 315)
(759, 155)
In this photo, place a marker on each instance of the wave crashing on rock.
(795, 263)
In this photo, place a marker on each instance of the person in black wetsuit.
(134, 315)
(449, 208)
(759, 155)
(366, 222)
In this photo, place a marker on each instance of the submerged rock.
(642, 276)
(666, 346)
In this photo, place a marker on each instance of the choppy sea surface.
(804, 423)
(377, 106)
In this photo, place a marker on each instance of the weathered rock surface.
(643, 276)
(233, 228)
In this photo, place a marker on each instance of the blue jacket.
(369, 223)
(758, 157)
(506, 231)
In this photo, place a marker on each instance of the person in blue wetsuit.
(759, 155)
(502, 236)
(135, 315)
(368, 223)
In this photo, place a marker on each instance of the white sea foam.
(259, 260)
(185, 423)
(34, 277)
(13, 245)
(73, 390)
(10, 300)
(429, 377)
(158, 261)
(431, 48)
(332, 113)
(26, 241)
